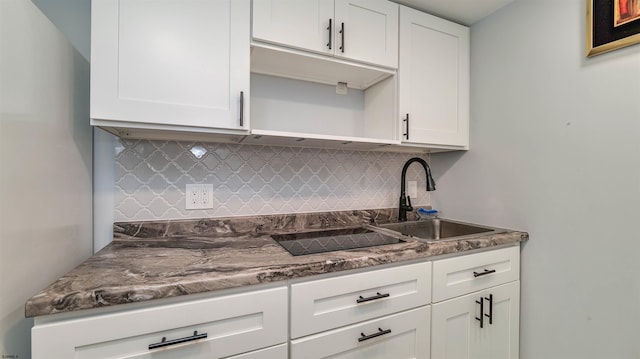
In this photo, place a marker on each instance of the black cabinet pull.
(330, 28)
(486, 271)
(377, 296)
(490, 315)
(241, 108)
(342, 36)
(406, 119)
(380, 332)
(481, 318)
(165, 343)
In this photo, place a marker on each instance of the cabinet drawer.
(277, 352)
(465, 274)
(233, 324)
(406, 335)
(330, 303)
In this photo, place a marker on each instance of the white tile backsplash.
(151, 176)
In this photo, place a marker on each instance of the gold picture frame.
(609, 28)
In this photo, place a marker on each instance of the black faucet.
(405, 201)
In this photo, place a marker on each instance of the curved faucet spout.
(405, 201)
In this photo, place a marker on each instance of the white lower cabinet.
(384, 313)
(476, 305)
(330, 303)
(483, 324)
(399, 336)
(217, 327)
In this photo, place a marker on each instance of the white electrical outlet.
(413, 189)
(341, 88)
(199, 196)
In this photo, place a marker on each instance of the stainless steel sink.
(439, 229)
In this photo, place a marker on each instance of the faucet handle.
(409, 206)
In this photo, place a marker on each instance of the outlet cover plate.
(413, 189)
(199, 196)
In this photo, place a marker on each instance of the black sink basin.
(312, 242)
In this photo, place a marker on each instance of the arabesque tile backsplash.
(150, 179)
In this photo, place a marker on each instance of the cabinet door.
(171, 62)
(367, 31)
(433, 80)
(295, 23)
(400, 336)
(456, 333)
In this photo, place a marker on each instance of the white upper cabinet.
(433, 81)
(295, 23)
(305, 48)
(367, 31)
(361, 30)
(173, 64)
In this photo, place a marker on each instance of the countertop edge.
(46, 303)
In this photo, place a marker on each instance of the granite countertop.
(153, 260)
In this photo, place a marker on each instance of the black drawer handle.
(380, 332)
(330, 28)
(486, 271)
(166, 343)
(490, 315)
(361, 299)
(407, 121)
(481, 318)
(241, 108)
(342, 36)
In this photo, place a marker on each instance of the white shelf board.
(296, 139)
(134, 130)
(279, 61)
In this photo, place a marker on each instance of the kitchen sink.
(438, 229)
(311, 242)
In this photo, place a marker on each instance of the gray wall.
(555, 151)
(45, 164)
(73, 19)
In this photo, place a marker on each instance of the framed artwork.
(612, 24)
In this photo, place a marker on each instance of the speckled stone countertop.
(153, 260)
